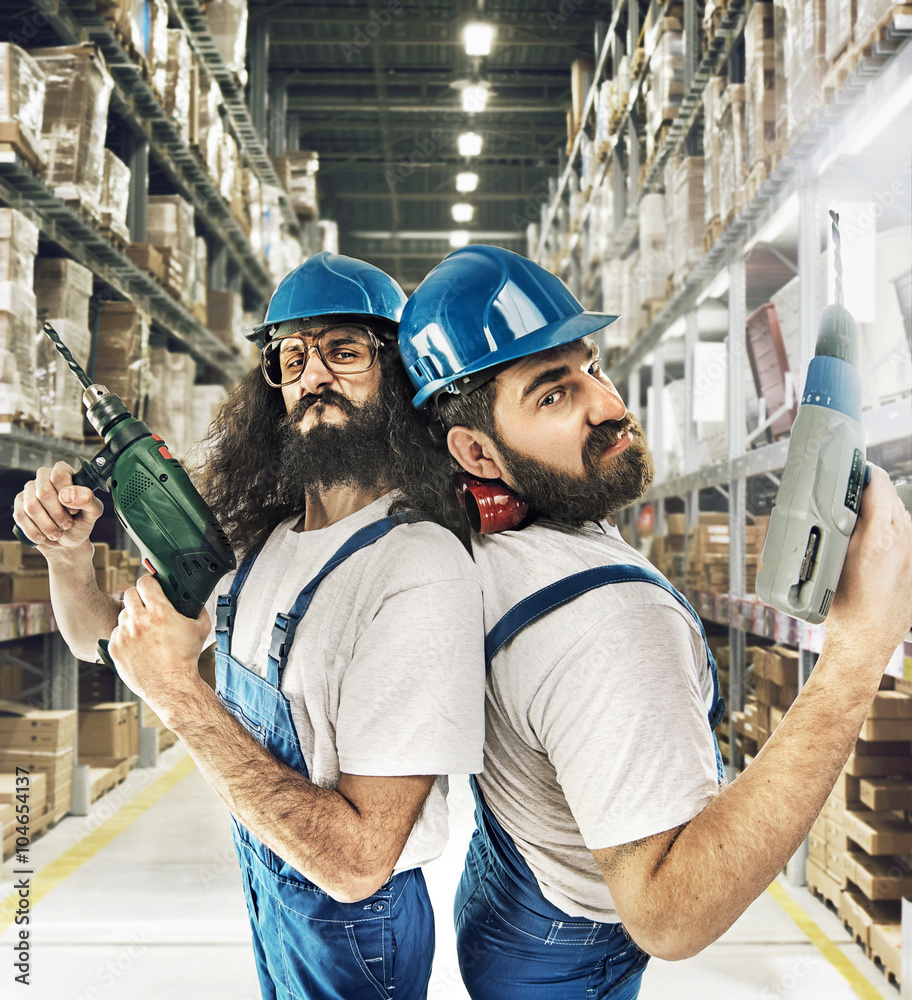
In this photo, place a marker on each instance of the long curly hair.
(237, 465)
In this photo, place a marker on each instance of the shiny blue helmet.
(331, 284)
(482, 307)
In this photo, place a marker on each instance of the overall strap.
(283, 632)
(226, 606)
(554, 595)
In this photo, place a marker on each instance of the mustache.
(607, 434)
(329, 397)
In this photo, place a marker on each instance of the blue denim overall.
(307, 945)
(513, 944)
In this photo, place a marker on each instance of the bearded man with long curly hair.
(350, 668)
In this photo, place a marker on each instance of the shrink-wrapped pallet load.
(63, 289)
(77, 92)
(18, 319)
(22, 88)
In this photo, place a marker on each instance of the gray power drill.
(826, 470)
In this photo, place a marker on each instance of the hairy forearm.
(727, 855)
(316, 830)
(84, 614)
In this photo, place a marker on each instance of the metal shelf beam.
(138, 104)
(194, 21)
(20, 189)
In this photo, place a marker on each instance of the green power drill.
(179, 539)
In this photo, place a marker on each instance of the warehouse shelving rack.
(797, 175)
(149, 131)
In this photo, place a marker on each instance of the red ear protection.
(489, 505)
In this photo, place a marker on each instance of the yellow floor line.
(49, 877)
(828, 948)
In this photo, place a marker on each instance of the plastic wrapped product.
(22, 88)
(77, 92)
(59, 392)
(228, 24)
(177, 89)
(805, 61)
(712, 96)
(760, 84)
(730, 119)
(170, 226)
(18, 321)
(18, 246)
(115, 195)
(64, 288)
(122, 359)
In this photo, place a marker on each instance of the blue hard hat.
(331, 284)
(482, 306)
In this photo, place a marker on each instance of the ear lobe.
(474, 451)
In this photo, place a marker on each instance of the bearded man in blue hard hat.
(348, 643)
(605, 831)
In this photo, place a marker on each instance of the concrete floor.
(157, 913)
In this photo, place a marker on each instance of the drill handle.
(86, 475)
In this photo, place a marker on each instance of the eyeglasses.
(349, 349)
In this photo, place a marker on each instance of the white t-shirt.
(386, 673)
(596, 714)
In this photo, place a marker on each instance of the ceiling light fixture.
(474, 97)
(463, 212)
(478, 38)
(459, 238)
(469, 144)
(466, 182)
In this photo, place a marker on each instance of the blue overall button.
(379, 907)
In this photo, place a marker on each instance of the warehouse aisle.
(141, 901)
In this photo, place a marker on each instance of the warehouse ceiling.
(369, 86)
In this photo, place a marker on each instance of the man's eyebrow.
(544, 378)
(558, 372)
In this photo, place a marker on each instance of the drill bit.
(75, 367)
(837, 256)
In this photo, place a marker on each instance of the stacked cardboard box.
(18, 789)
(108, 731)
(206, 401)
(22, 88)
(149, 720)
(78, 89)
(116, 570)
(712, 146)
(43, 742)
(63, 289)
(864, 861)
(871, 13)
(18, 319)
(802, 25)
(226, 310)
(730, 122)
(177, 86)
(654, 251)
(122, 360)
(688, 207)
(115, 196)
(170, 407)
(760, 85)
(840, 19)
(170, 228)
(665, 85)
(228, 24)
(298, 175)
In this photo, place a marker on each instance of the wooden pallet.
(712, 232)
(105, 778)
(755, 180)
(822, 885)
(839, 71)
(15, 139)
(881, 30)
(885, 950)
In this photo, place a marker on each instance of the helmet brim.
(564, 331)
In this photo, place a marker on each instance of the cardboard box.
(836, 835)
(780, 665)
(865, 765)
(879, 833)
(34, 729)
(860, 913)
(57, 767)
(885, 794)
(886, 729)
(10, 557)
(879, 878)
(837, 864)
(36, 790)
(891, 705)
(885, 943)
(25, 586)
(817, 848)
(882, 748)
(109, 730)
(847, 788)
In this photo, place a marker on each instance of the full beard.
(606, 486)
(352, 454)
